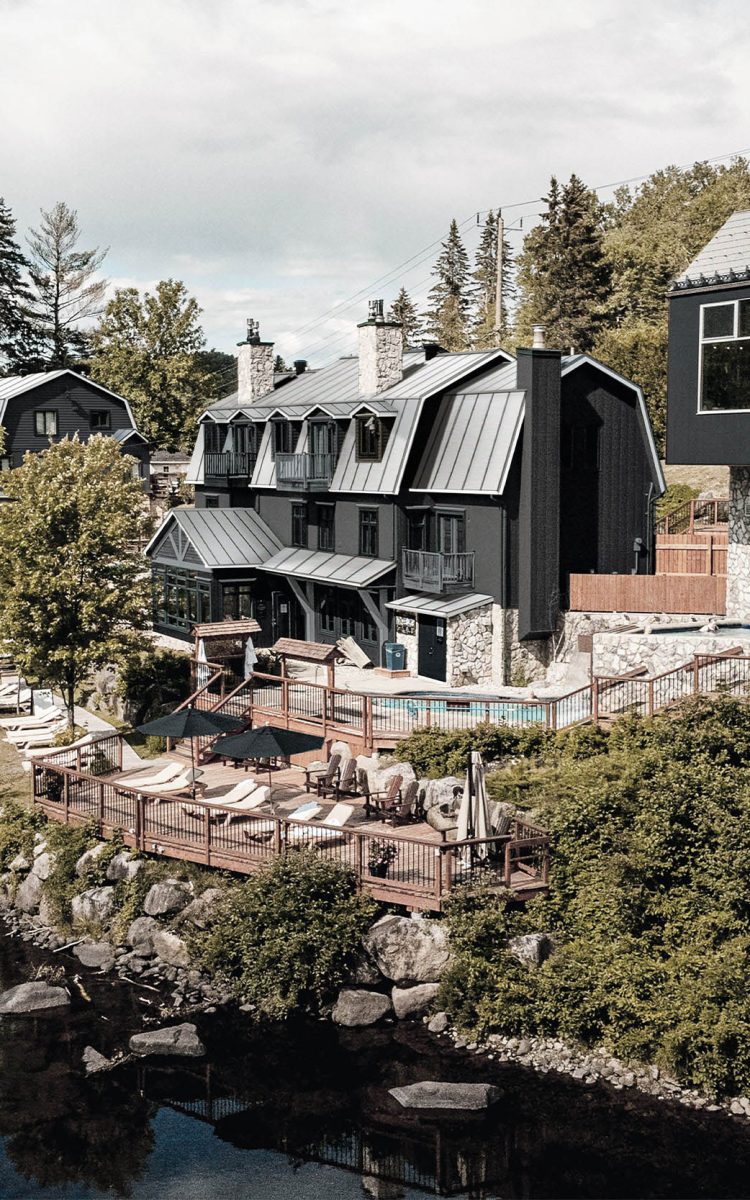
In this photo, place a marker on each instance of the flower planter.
(379, 869)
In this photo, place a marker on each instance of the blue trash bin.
(395, 656)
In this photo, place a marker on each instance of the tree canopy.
(72, 591)
(17, 335)
(447, 317)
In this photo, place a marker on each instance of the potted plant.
(382, 854)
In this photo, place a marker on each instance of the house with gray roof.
(47, 406)
(436, 499)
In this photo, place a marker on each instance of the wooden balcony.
(426, 571)
(308, 472)
(229, 464)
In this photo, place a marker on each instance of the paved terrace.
(424, 871)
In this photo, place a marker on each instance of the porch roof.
(220, 537)
(349, 570)
(439, 606)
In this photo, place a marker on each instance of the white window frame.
(713, 341)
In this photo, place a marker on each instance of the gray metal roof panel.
(471, 444)
(501, 377)
(350, 570)
(728, 250)
(382, 477)
(439, 606)
(440, 372)
(224, 537)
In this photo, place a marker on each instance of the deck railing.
(305, 470)
(428, 571)
(694, 514)
(421, 873)
(229, 462)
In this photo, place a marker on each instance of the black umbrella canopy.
(267, 742)
(190, 723)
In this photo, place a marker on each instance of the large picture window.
(326, 526)
(181, 600)
(299, 525)
(725, 356)
(237, 600)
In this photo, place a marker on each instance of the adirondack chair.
(385, 800)
(408, 809)
(344, 783)
(316, 776)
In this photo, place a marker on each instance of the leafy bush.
(68, 735)
(435, 752)
(285, 938)
(18, 825)
(67, 843)
(153, 681)
(674, 497)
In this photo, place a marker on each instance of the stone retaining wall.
(619, 653)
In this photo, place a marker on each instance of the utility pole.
(499, 281)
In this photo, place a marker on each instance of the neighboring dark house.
(438, 500)
(37, 409)
(708, 401)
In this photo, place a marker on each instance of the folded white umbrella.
(473, 812)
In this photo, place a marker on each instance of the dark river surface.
(303, 1112)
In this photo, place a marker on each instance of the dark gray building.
(438, 500)
(40, 408)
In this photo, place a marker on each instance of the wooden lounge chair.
(405, 810)
(315, 777)
(382, 800)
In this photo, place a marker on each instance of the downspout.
(503, 588)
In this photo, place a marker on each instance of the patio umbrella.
(473, 812)
(267, 742)
(190, 723)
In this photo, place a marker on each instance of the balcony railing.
(229, 463)
(310, 471)
(425, 571)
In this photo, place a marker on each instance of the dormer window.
(214, 437)
(372, 435)
(284, 436)
(725, 356)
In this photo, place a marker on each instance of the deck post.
(78, 760)
(595, 700)
(285, 700)
(139, 821)
(207, 840)
(438, 875)
(545, 864)
(120, 740)
(360, 860)
(506, 866)
(100, 787)
(367, 723)
(66, 794)
(696, 675)
(651, 697)
(277, 836)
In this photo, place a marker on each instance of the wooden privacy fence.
(420, 875)
(649, 593)
(691, 554)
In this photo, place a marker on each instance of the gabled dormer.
(708, 404)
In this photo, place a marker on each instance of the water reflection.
(305, 1112)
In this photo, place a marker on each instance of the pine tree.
(65, 285)
(16, 332)
(564, 277)
(405, 310)
(485, 334)
(447, 318)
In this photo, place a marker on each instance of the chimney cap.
(300, 365)
(375, 310)
(539, 342)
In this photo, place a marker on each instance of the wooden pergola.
(225, 639)
(319, 653)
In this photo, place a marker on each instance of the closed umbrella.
(190, 723)
(267, 742)
(473, 812)
(251, 658)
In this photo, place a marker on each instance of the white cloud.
(282, 153)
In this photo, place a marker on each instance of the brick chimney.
(381, 352)
(254, 366)
(538, 375)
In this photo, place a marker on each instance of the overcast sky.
(281, 155)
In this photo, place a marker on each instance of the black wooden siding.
(73, 400)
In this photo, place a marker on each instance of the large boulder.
(124, 866)
(42, 865)
(356, 1007)
(408, 951)
(29, 894)
(200, 911)
(413, 1001)
(180, 1040)
(19, 863)
(89, 858)
(94, 905)
(343, 749)
(95, 954)
(171, 949)
(140, 935)
(434, 1094)
(531, 948)
(381, 778)
(33, 997)
(438, 792)
(169, 896)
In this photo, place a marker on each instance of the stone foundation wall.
(469, 648)
(738, 550)
(618, 653)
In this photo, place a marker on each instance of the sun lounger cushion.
(240, 791)
(178, 784)
(171, 771)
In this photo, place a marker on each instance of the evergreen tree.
(447, 318)
(405, 310)
(66, 290)
(149, 350)
(485, 334)
(16, 332)
(564, 277)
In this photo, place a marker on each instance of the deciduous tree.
(72, 592)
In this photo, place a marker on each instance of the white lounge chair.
(48, 717)
(10, 687)
(241, 791)
(184, 782)
(78, 744)
(16, 699)
(166, 775)
(305, 813)
(337, 817)
(259, 797)
(36, 737)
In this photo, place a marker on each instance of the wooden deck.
(423, 873)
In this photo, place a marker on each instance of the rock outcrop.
(434, 1094)
(413, 1001)
(94, 905)
(169, 896)
(96, 954)
(355, 1007)
(179, 1040)
(171, 949)
(33, 997)
(140, 935)
(408, 951)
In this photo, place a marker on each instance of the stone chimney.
(381, 352)
(254, 366)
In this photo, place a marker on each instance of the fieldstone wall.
(738, 550)
(254, 370)
(411, 642)
(381, 353)
(469, 648)
(618, 653)
(524, 662)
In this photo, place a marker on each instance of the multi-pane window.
(100, 419)
(45, 423)
(180, 599)
(299, 525)
(416, 533)
(368, 532)
(243, 439)
(451, 533)
(213, 437)
(211, 502)
(326, 530)
(282, 437)
(725, 356)
(237, 600)
(369, 439)
(328, 611)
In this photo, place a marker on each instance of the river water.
(303, 1113)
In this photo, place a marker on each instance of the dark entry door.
(432, 647)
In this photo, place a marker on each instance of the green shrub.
(674, 497)
(152, 682)
(285, 938)
(66, 736)
(67, 843)
(18, 824)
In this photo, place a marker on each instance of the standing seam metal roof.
(223, 537)
(728, 251)
(471, 444)
(439, 606)
(351, 570)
